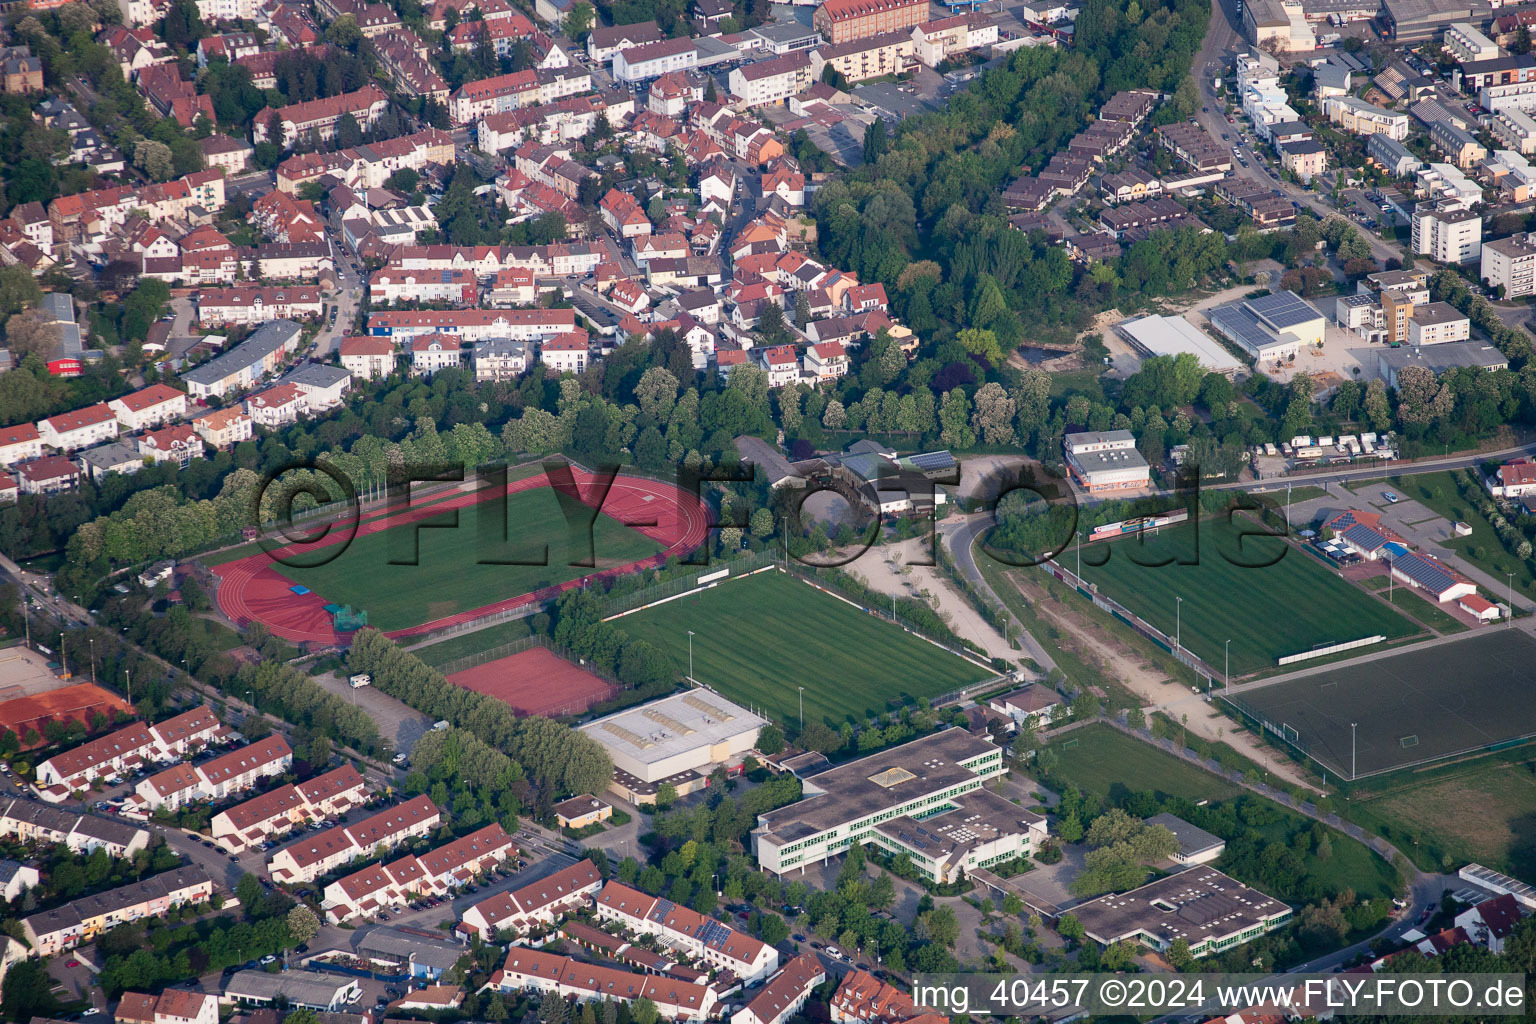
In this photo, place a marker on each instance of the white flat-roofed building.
(1516, 130)
(1361, 118)
(1467, 44)
(1447, 235)
(1158, 335)
(1106, 460)
(1436, 323)
(1207, 909)
(684, 735)
(327, 993)
(1510, 263)
(843, 805)
(978, 830)
(1271, 328)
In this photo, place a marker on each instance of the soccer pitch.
(757, 639)
(449, 576)
(1230, 593)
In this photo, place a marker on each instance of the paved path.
(959, 535)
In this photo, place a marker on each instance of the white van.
(360, 680)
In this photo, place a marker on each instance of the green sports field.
(758, 639)
(1235, 589)
(449, 577)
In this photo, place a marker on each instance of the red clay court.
(77, 702)
(536, 682)
(252, 589)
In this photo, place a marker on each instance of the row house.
(402, 55)
(562, 121)
(276, 812)
(649, 247)
(173, 1006)
(233, 772)
(149, 407)
(224, 428)
(560, 259)
(291, 23)
(108, 209)
(131, 748)
(19, 443)
(30, 822)
(179, 444)
(319, 117)
(528, 970)
(742, 137)
(246, 363)
(80, 921)
(318, 854)
(256, 304)
(652, 60)
(385, 887)
(488, 10)
(368, 166)
(368, 358)
(553, 166)
(536, 905)
(80, 428)
(605, 41)
(785, 994)
(687, 931)
(361, 10)
(294, 261)
(392, 284)
(502, 35)
(471, 325)
(475, 100)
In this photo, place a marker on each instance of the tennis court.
(1430, 702)
(536, 682)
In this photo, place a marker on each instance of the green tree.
(875, 144)
(666, 795)
(248, 891)
(770, 739)
(303, 925)
(578, 22)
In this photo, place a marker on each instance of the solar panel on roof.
(1283, 309)
(933, 460)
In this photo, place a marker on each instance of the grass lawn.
(1103, 761)
(450, 577)
(1412, 604)
(759, 638)
(216, 633)
(1485, 812)
(1099, 760)
(465, 644)
(1482, 547)
(1267, 598)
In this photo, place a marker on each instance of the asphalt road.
(960, 536)
(1223, 39)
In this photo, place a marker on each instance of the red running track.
(252, 589)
